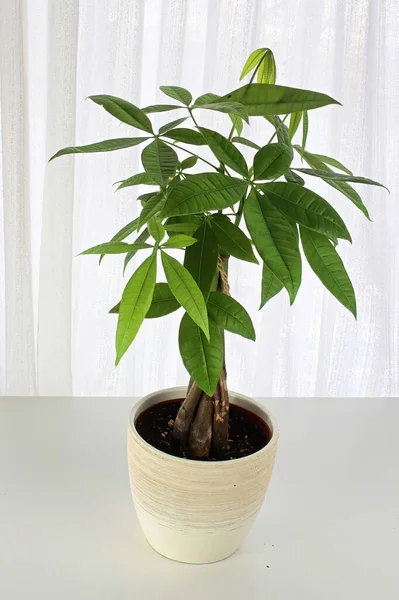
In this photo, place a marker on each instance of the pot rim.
(181, 390)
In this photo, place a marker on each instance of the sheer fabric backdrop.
(55, 334)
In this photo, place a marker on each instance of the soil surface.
(247, 434)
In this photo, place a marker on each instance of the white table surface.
(329, 528)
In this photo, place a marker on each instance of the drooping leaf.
(267, 71)
(293, 177)
(171, 125)
(280, 127)
(159, 161)
(115, 248)
(135, 302)
(271, 285)
(177, 93)
(157, 108)
(186, 291)
(324, 174)
(328, 266)
(333, 162)
(232, 239)
(143, 237)
(225, 151)
(204, 192)
(180, 240)
(156, 229)
(181, 226)
(262, 99)
(143, 198)
(123, 233)
(275, 241)
(252, 61)
(163, 302)
(230, 108)
(201, 258)
(104, 146)
(124, 111)
(203, 359)
(187, 136)
(189, 162)
(305, 130)
(237, 123)
(245, 142)
(307, 208)
(230, 315)
(151, 208)
(205, 99)
(272, 161)
(342, 186)
(138, 179)
(295, 121)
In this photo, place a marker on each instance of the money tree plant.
(203, 213)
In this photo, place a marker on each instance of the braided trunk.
(202, 423)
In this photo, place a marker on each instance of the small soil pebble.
(247, 433)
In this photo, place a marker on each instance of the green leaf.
(204, 192)
(275, 241)
(225, 151)
(230, 108)
(266, 99)
(138, 179)
(272, 161)
(177, 93)
(306, 208)
(115, 248)
(203, 359)
(187, 136)
(333, 162)
(186, 291)
(145, 197)
(205, 99)
(295, 121)
(230, 315)
(135, 302)
(305, 129)
(163, 302)
(232, 239)
(157, 108)
(292, 177)
(339, 176)
(182, 227)
(267, 70)
(171, 125)
(237, 123)
(143, 237)
(179, 240)
(281, 129)
(329, 268)
(189, 162)
(159, 161)
(201, 259)
(245, 142)
(342, 186)
(252, 61)
(271, 285)
(156, 229)
(123, 233)
(151, 208)
(124, 111)
(104, 146)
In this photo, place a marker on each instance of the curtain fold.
(56, 337)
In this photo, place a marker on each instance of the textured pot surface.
(192, 511)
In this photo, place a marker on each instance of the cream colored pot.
(192, 511)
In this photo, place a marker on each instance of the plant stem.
(192, 154)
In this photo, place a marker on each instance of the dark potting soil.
(247, 433)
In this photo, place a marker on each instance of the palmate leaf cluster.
(202, 213)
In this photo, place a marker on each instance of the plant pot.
(195, 511)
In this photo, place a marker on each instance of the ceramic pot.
(193, 511)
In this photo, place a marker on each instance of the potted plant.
(200, 460)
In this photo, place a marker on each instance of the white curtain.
(56, 337)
